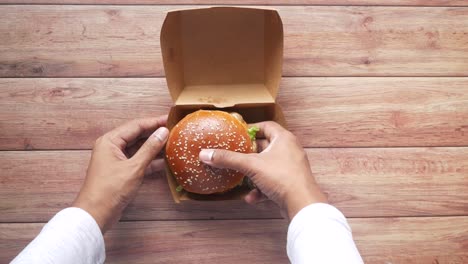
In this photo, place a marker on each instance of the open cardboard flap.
(222, 57)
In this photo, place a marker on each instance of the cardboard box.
(225, 58)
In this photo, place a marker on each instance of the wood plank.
(394, 181)
(50, 40)
(324, 112)
(380, 240)
(350, 112)
(73, 112)
(362, 182)
(249, 2)
(35, 185)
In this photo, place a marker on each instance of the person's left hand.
(114, 174)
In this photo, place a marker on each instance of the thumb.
(221, 158)
(151, 147)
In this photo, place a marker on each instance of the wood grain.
(380, 240)
(350, 112)
(112, 41)
(362, 182)
(324, 112)
(35, 185)
(73, 113)
(248, 2)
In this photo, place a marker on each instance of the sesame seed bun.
(206, 130)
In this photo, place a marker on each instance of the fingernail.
(206, 155)
(248, 198)
(161, 134)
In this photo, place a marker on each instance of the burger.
(205, 129)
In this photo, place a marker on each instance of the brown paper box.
(225, 58)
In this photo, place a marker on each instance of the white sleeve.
(71, 236)
(319, 233)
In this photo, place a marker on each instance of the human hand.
(114, 174)
(281, 170)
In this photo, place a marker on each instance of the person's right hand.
(281, 170)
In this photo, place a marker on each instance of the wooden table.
(377, 93)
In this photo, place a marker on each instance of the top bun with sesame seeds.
(205, 129)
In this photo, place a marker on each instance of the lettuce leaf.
(252, 131)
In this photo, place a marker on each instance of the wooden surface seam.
(418, 3)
